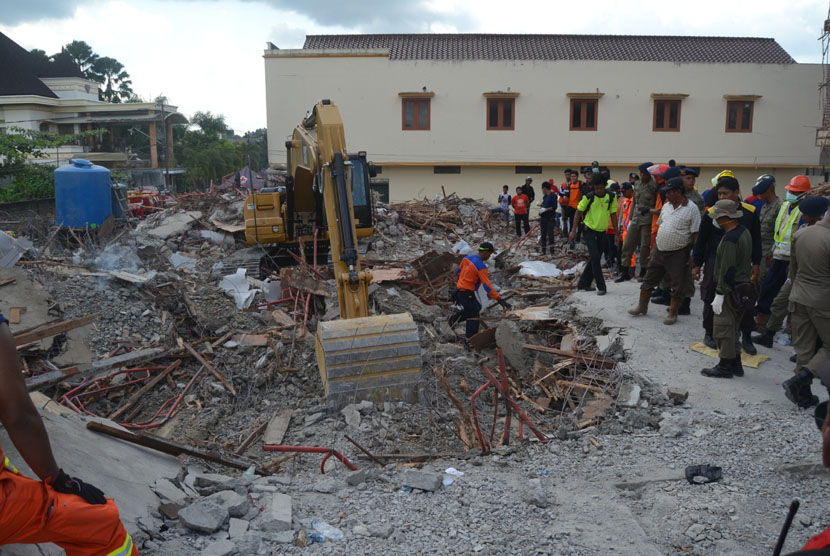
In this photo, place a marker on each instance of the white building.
(474, 112)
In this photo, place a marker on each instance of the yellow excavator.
(360, 357)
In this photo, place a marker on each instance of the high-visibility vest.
(784, 227)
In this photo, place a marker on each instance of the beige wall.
(366, 90)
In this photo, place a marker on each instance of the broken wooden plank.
(230, 228)
(250, 440)
(250, 339)
(172, 448)
(586, 358)
(293, 278)
(225, 337)
(15, 313)
(483, 340)
(7, 281)
(144, 389)
(126, 360)
(228, 386)
(282, 318)
(52, 330)
(277, 428)
(49, 379)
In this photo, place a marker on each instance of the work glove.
(717, 304)
(644, 211)
(505, 304)
(70, 485)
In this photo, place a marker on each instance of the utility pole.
(166, 149)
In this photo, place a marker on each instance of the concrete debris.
(276, 516)
(204, 516)
(422, 480)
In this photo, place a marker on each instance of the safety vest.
(625, 221)
(784, 227)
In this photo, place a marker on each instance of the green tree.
(84, 57)
(256, 146)
(209, 124)
(39, 55)
(116, 85)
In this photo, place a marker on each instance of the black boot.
(746, 343)
(797, 389)
(765, 338)
(624, 276)
(724, 369)
(658, 293)
(709, 341)
(793, 358)
(685, 307)
(737, 366)
(664, 299)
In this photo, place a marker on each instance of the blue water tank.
(82, 194)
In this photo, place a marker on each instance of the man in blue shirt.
(547, 218)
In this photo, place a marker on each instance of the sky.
(206, 55)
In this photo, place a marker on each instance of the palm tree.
(115, 82)
(83, 56)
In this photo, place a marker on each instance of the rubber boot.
(793, 358)
(737, 366)
(685, 307)
(724, 369)
(625, 275)
(671, 318)
(765, 338)
(664, 299)
(642, 306)
(709, 340)
(746, 343)
(797, 389)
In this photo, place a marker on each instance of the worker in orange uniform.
(626, 203)
(576, 191)
(57, 509)
(472, 273)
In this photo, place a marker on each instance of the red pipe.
(313, 450)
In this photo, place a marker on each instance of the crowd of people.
(758, 261)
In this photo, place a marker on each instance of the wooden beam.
(53, 330)
(277, 428)
(127, 359)
(228, 386)
(144, 389)
(588, 359)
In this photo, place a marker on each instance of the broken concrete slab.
(236, 504)
(205, 516)
(629, 395)
(237, 527)
(422, 480)
(172, 225)
(510, 339)
(220, 548)
(276, 516)
(169, 492)
(352, 415)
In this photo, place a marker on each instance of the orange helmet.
(799, 184)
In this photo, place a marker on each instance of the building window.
(739, 116)
(500, 114)
(66, 129)
(528, 169)
(415, 113)
(446, 169)
(583, 114)
(666, 115)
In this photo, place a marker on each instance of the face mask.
(792, 197)
(715, 224)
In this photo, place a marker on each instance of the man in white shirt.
(678, 224)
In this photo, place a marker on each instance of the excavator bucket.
(369, 358)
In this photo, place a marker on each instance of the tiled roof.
(563, 47)
(17, 71)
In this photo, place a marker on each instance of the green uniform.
(810, 308)
(695, 197)
(733, 266)
(768, 214)
(639, 231)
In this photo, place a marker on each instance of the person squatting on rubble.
(547, 220)
(521, 206)
(679, 222)
(596, 210)
(472, 273)
(639, 228)
(57, 509)
(504, 205)
(809, 273)
(733, 287)
(726, 187)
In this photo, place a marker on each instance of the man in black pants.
(596, 209)
(547, 217)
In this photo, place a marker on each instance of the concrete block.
(352, 415)
(629, 395)
(356, 477)
(422, 480)
(236, 504)
(220, 548)
(510, 339)
(237, 527)
(276, 516)
(205, 480)
(169, 492)
(204, 516)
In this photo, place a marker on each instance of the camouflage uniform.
(639, 231)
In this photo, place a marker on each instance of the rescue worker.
(732, 270)
(547, 220)
(527, 189)
(689, 176)
(521, 207)
(639, 230)
(704, 257)
(568, 212)
(679, 222)
(596, 209)
(57, 509)
(809, 273)
(577, 189)
(626, 205)
(472, 273)
(765, 190)
(786, 223)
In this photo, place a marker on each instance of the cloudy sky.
(207, 54)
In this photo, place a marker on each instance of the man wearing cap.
(639, 230)
(547, 220)
(527, 189)
(689, 176)
(596, 209)
(732, 275)
(679, 222)
(765, 190)
(472, 273)
(809, 272)
(704, 256)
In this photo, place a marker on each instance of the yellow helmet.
(723, 174)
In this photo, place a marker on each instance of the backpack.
(591, 197)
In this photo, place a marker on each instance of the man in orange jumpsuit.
(472, 273)
(57, 509)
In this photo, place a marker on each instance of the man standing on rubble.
(527, 189)
(472, 273)
(547, 220)
(639, 230)
(732, 275)
(521, 207)
(59, 509)
(596, 209)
